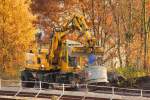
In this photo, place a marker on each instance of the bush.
(130, 74)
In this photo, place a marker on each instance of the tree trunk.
(118, 42)
(3, 40)
(117, 22)
(93, 14)
(144, 33)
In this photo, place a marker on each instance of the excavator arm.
(76, 23)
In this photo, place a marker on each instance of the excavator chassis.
(32, 79)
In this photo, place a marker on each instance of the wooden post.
(113, 92)
(141, 93)
(40, 86)
(63, 88)
(87, 88)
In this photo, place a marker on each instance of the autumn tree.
(50, 12)
(117, 25)
(16, 32)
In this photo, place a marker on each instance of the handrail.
(85, 92)
(62, 93)
(112, 90)
(18, 92)
(20, 89)
(39, 90)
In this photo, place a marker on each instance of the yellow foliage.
(16, 31)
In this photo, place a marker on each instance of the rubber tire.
(27, 76)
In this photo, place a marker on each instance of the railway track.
(91, 92)
(47, 96)
(121, 91)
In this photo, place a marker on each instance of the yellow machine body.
(56, 56)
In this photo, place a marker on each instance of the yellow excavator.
(60, 61)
